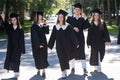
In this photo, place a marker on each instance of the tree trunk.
(21, 16)
(98, 4)
(109, 12)
(116, 12)
(103, 9)
(118, 39)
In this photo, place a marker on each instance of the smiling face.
(61, 19)
(96, 17)
(77, 11)
(14, 21)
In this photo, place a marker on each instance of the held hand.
(41, 46)
(76, 29)
(107, 43)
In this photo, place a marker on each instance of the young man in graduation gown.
(39, 30)
(63, 34)
(16, 44)
(98, 36)
(79, 22)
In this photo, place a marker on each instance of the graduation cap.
(78, 5)
(40, 13)
(62, 12)
(97, 10)
(14, 15)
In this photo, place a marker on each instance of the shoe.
(38, 73)
(43, 75)
(97, 71)
(85, 71)
(72, 71)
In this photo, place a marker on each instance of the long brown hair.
(59, 21)
(100, 21)
(18, 23)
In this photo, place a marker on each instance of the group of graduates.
(68, 35)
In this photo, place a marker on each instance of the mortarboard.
(62, 12)
(40, 13)
(97, 11)
(14, 15)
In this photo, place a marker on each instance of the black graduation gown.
(81, 24)
(97, 38)
(15, 47)
(38, 38)
(1, 23)
(63, 38)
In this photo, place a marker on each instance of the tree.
(109, 12)
(116, 12)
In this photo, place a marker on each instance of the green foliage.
(113, 29)
(27, 26)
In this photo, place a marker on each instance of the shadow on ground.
(37, 77)
(98, 76)
(10, 79)
(74, 77)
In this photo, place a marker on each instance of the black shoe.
(38, 73)
(97, 71)
(43, 75)
(72, 71)
(85, 72)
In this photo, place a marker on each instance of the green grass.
(113, 29)
(2, 35)
(27, 25)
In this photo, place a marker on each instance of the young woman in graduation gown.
(16, 44)
(63, 34)
(39, 30)
(79, 22)
(98, 36)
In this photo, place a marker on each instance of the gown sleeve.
(34, 37)
(89, 36)
(46, 29)
(6, 26)
(1, 24)
(68, 19)
(52, 38)
(22, 41)
(106, 34)
(85, 23)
